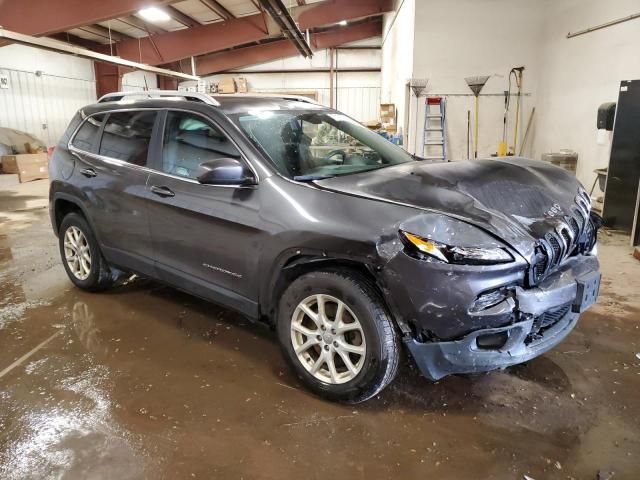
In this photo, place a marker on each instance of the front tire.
(337, 335)
(81, 255)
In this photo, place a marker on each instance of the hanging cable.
(110, 40)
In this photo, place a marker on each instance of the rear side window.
(127, 135)
(189, 140)
(87, 135)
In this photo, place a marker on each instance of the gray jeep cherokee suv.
(297, 215)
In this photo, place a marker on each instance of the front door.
(205, 236)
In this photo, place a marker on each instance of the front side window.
(318, 143)
(127, 136)
(190, 140)
(87, 134)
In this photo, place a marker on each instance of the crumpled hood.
(514, 198)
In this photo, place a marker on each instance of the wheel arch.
(63, 204)
(297, 263)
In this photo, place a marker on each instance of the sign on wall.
(4, 81)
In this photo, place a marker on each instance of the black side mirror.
(225, 171)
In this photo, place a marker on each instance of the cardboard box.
(28, 166)
(227, 85)
(31, 147)
(373, 124)
(388, 112)
(241, 85)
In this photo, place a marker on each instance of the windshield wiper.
(311, 178)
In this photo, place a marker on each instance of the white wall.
(358, 93)
(466, 38)
(139, 80)
(43, 104)
(564, 79)
(397, 56)
(581, 73)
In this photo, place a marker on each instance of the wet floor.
(148, 382)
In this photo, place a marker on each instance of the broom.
(417, 85)
(476, 84)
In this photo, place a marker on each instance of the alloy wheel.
(77, 253)
(328, 339)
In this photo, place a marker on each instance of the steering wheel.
(337, 151)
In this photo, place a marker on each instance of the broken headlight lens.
(457, 255)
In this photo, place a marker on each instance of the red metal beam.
(44, 17)
(340, 36)
(200, 40)
(243, 57)
(174, 46)
(334, 11)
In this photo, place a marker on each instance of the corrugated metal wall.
(138, 81)
(361, 103)
(42, 105)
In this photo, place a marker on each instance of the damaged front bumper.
(546, 314)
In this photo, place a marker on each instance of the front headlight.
(457, 255)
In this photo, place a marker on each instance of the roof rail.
(201, 97)
(299, 98)
(294, 98)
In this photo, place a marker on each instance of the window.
(318, 143)
(190, 140)
(127, 136)
(86, 137)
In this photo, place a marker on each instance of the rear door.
(116, 178)
(205, 236)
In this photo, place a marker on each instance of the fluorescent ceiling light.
(154, 14)
(342, 22)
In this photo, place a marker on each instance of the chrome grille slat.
(579, 217)
(583, 205)
(562, 242)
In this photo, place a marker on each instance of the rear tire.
(337, 335)
(81, 255)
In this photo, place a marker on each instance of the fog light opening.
(488, 300)
(492, 341)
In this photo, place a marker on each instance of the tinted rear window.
(127, 136)
(86, 136)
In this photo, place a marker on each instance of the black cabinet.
(621, 192)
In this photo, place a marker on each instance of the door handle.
(162, 191)
(88, 172)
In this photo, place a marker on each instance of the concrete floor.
(147, 382)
